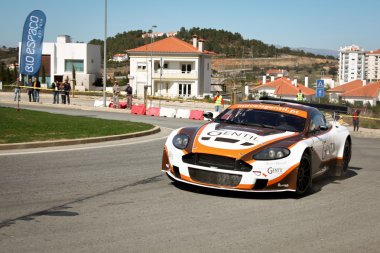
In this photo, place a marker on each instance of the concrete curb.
(41, 144)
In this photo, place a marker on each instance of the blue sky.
(322, 24)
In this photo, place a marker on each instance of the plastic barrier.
(167, 112)
(122, 104)
(183, 113)
(99, 103)
(196, 114)
(138, 109)
(153, 111)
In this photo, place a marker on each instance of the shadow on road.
(57, 212)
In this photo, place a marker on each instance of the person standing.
(36, 89)
(18, 90)
(116, 92)
(299, 96)
(62, 92)
(219, 102)
(67, 89)
(30, 91)
(55, 87)
(128, 90)
(355, 120)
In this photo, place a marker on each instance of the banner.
(31, 46)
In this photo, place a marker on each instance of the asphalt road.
(112, 197)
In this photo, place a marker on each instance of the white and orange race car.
(259, 146)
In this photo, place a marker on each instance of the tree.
(333, 71)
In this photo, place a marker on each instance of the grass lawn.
(27, 126)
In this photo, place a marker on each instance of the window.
(317, 120)
(184, 89)
(78, 65)
(186, 68)
(141, 66)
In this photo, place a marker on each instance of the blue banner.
(31, 46)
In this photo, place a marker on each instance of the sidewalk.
(87, 103)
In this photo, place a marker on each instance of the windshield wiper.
(230, 122)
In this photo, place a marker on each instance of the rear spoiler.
(324, 107)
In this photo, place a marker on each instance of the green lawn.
(27, 126)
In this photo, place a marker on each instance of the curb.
(42, 144)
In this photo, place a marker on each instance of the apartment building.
(351, 64)
(372, 65)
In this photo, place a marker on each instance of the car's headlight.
(272, 154)
(180, 141)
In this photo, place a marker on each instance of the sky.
(320, 24)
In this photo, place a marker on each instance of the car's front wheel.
(304, 175)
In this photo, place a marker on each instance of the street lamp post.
(105, 55)
(151, 59)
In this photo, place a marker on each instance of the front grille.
(221, 162)
(214, 178)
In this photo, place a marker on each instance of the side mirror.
(208, 115)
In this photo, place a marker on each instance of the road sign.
(320, 92)
(320, 83)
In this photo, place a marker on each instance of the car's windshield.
(262, 118)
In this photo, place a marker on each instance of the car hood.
(219, 138)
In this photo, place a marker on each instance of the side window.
(317, 120)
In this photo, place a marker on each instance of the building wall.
(351, 64)
(64, 50)
(172, 75)
(372, 67)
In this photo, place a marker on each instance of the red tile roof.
(374, 52)
(369, 90)
(284, 87)
(347, 87)
(168, 45)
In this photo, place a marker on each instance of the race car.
(259, 146)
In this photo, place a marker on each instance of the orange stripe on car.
(200, 148)
(278, 179)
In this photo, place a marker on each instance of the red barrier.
(122, 105)
(138, 109)
(153, 111)
(196, 114)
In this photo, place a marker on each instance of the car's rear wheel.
(346, 155)
(304, 175)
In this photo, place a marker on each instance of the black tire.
(304, 175)
(346, 156)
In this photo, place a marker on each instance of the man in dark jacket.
(36, 88)
(67, 89)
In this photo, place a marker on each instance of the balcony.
(175, 74)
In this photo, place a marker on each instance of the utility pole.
(105, 55)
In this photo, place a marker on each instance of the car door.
(323, 146)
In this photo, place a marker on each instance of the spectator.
(355, 120)
(299, 96)
(67, 89)
(63, 93)
(18, 90)
(219, 102)
(116, 92)
(128, 90)
(36, 88)
(55, 87)
(29, 84)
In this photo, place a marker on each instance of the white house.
(171, 68)
(120, 57)
(284, 88)
(366, 94)
(58, 59)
